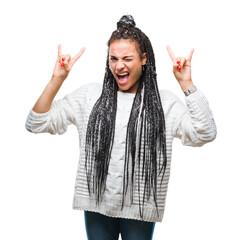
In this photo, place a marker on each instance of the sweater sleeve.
(62, 113)
(194, 124)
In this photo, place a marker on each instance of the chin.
(123, 87)
(128, 89)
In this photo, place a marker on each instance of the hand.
(182, 69)
(64, 64)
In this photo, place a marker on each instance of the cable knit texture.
(193, 123)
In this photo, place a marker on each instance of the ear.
(144, 58)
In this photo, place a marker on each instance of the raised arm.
(63, 66)
(194, 123)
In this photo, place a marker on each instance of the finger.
(76, 57)
(179, 64)
(183, 61)
(59, 50)
(178, 60)
(190, 55)
(62, 59)
(65, 58)
(176, 68)
(171, 54)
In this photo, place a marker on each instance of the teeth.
(123, 74)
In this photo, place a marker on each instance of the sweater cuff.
(35, 118)
(39, 115)
(196, 96)
(197, 102)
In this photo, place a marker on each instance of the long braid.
(145, 137)
(100, 135)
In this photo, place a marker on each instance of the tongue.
(123, 78)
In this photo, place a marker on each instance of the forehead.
(123, 47)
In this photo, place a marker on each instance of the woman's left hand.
(182, 69)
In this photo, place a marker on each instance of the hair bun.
(126, 20)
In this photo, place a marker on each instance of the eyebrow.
(129, 56)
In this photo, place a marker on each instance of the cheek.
(137, 70)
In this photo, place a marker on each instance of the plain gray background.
(37, 172)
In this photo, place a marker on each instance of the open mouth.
(123, 78)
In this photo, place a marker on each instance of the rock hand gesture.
(63, 66)
(182, 69)
(64, 63)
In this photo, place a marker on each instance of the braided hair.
(145, 150)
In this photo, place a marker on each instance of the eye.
(112, 59)
(128, 59)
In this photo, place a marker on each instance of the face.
(125, 64)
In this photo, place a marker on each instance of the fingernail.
(179, 68)
(62, 64)
(178, 62)
(63, 59)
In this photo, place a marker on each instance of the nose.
(119, 66)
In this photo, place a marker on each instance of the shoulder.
(85, 94)
(89, 89)
(168, 97)
(171, 104)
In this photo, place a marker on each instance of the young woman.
(126, 128)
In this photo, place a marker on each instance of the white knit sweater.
(193, 124)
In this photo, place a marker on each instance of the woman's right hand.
(64, 64)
